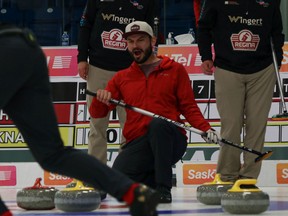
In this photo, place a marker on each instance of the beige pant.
(97, 142)
(242, 97)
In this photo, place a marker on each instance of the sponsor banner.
(76, 135)
(198, 173)
(56, 179)
(282, 173)
(189, 56)
(191, 174)
(22, 174)
(284, 66)
(188, 174)
(8, 175)
(62, 61)
(10, 137)
(19, 175)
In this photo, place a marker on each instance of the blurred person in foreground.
(25, 96)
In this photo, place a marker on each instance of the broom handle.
(181, 125)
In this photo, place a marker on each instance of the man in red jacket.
(162, 86)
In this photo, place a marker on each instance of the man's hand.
(83, 69)
(212, 136)
(103, 96)
(207, 67)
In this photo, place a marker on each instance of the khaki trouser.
(242, 97)
(97, 141)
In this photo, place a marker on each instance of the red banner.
(62, 61)
(284, 66)
(189, 56)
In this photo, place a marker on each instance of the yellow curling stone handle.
(217, 180)
(79, 186)
(237, 186)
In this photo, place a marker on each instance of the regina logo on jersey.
(198, 173)
(282, 173)
(114, 40)
(245, 40)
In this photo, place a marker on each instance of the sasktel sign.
(62, 61)
(189, 56)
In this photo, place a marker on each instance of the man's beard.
(147, 53)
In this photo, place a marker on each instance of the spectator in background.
(102, 51)
(197, 5)
(244, 74)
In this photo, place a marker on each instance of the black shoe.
(164, 194)
(103, 195)
(145, 202)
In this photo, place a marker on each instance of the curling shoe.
(145, 201)
(164, 194)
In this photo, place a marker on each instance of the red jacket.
(166, 91)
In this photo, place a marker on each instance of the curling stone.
(241, 200)
(210, 193)
(37, 197)
(77, 199)
(72, 184)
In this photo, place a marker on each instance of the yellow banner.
(10, 137)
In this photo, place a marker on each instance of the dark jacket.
(101, 28)
(240, 31)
